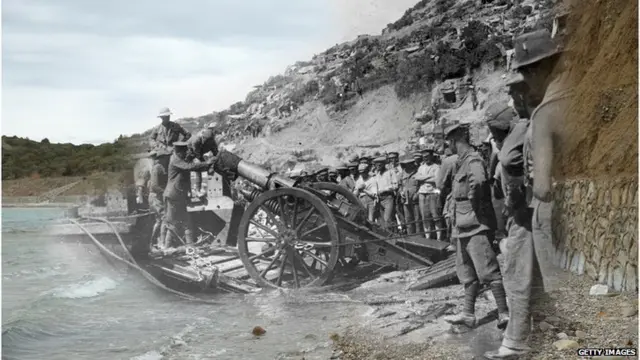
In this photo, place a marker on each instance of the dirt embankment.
(602, 124)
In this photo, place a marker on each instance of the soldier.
(333, 175)
(177, 192)
(167, 133)
(429, 195)
(444, 183)
(393, 164)
(343, 171)
(348, 181)
(386, 188)
(203, 143)
(157, 184)
(474, 226)
(417, 158)
(322, 175)
(366, 191)
(409, 194)
(536, 58)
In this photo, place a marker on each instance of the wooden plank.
(421, 241)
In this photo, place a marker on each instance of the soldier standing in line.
(176, 194)
(168, 132)
(322, 175)
(444, 183)
(536, 57)
(386, 187)
(474, 226)
(366, 191)
(417, 161)
(333, 175)
(348, 181)
(157, 185)
(393, 164)
(203, 143)
(409, 194)
(430, 207)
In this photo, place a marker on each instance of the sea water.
(63, 300)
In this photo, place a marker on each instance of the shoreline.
(39, 205)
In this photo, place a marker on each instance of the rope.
(133, 263)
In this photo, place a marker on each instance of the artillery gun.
(295, 234)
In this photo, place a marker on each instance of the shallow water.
(63, 300)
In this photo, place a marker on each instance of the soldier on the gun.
(157, 185)
(202, 143)
(474, 227)
(409, 194)
(163, 136)
(176, 195)
(366, 191)
(386, 188)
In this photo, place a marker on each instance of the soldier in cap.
(409, 194)
(444, 183)
(176, 194)
(366, 191)
(322, 175)
(346, 180)
(393, 163)
(157, 185)
(386, 187)
(536, 58)
(204, 142)
(333, 175)
(349, 180)
(168, 132)
(474, 227)
(429, 195)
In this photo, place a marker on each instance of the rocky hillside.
(380, 91)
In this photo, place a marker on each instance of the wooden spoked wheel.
(288, 238)
(339, 192)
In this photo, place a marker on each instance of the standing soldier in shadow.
(386, 188)
(409, 195)
(176, 194)
(536, 58)
(474, 226)
(157, 185)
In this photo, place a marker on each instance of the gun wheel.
(289, 239)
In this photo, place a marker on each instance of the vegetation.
(25, 158)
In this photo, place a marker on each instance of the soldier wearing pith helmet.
(167, 132)
(474, 225)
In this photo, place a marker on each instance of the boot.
(468, 320)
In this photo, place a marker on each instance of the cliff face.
(381, 87)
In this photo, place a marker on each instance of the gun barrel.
(255, 174)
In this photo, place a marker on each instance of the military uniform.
(429, 196)
(386, 188)
(393, 165)
(166, 134)
(333, 175)
(444, 183)
(366, 191)
(474, 225)
(157, 184)
(348, 182)
(528, 260)
(199, 145)
(177, 192)
(322, 175)
(409, 195)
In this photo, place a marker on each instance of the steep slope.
(602, 126)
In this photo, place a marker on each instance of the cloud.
(88, 71)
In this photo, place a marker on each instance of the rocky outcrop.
(596, 225)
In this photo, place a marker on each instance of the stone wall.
(596, 230)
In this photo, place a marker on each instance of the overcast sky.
(87, 71)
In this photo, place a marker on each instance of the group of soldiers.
(176, 154)
(524, 132)
(411, 193)
(399, 193)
